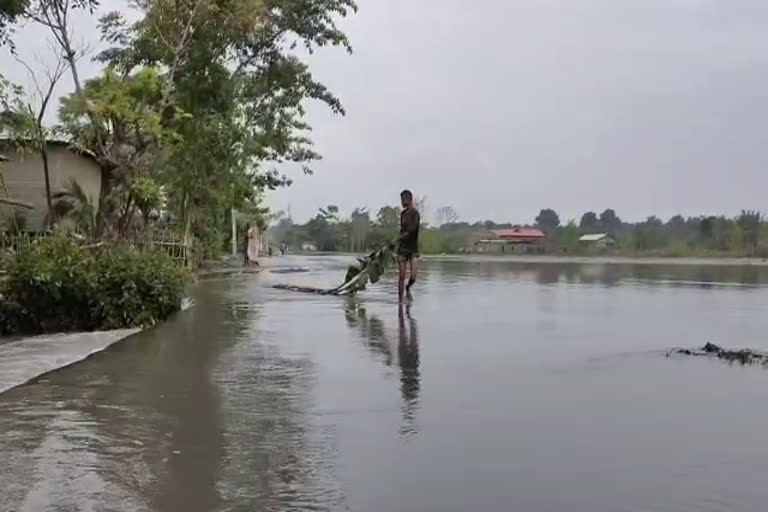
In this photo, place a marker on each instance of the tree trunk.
(122, 224)
(187, 219)
(102, 214)
(48, 197)
(188, 240)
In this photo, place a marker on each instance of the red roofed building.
(519, 235)
(513, 240)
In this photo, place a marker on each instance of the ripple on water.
(274, 455)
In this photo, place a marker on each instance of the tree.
(10, 11)
(231, 69)
(568, 238)
(360, 221)
(653, 221)
(55, 15)
(388, 216)
(330, 213)
(610, 222)
(120, 116)
(749, 221)
(677, 223)
(548, 220)
(421, 204)
(707, 227)
(446, 215)
(589, 222)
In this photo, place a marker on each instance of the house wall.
(507, 248)
(25, 179)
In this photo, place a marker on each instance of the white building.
(598, 240)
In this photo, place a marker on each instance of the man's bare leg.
(414, 263)
(402, 265)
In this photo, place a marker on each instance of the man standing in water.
(408, 244)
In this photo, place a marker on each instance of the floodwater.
(505, 386)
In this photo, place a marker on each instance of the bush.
(55, 285)
(136, 288)
(52, 282)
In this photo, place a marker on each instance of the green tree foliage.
(119, 118)
(388, 216)
(749, 223)
(676, 222)
(548, 220)
(231, 67)
(589, 222)
(567, 239)
(610, 222)
(360, 226)
(10, 11)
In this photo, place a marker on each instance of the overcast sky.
(503, 107)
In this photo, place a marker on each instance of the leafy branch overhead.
(204, 99)
(233, 89)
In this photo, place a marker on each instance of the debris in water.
(291, 270)
(367, 270)
(742, 356)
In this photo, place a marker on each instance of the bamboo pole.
(16, 202)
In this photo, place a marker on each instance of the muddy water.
(505, 386)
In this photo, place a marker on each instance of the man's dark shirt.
(409, 227)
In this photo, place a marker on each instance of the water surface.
(505, 386)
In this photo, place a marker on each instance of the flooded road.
(505, 386)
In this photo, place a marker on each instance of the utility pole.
(234, 233)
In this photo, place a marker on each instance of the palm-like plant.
(73, 203)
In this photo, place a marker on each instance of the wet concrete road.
(505, 386)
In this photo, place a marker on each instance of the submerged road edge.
(29, 359)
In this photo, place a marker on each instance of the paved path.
(27, 358)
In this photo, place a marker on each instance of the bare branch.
(32, 76)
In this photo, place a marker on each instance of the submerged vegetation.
(367, 270)
(742, 356)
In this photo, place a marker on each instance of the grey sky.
(503, 107)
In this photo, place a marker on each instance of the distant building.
(25, 180)
(516, 240)
(598, 240)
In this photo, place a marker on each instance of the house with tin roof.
(597, 240)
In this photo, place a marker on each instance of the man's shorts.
(406, 255)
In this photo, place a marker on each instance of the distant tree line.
(329, 230)
(743, 235)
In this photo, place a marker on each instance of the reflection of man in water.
(408, 355)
